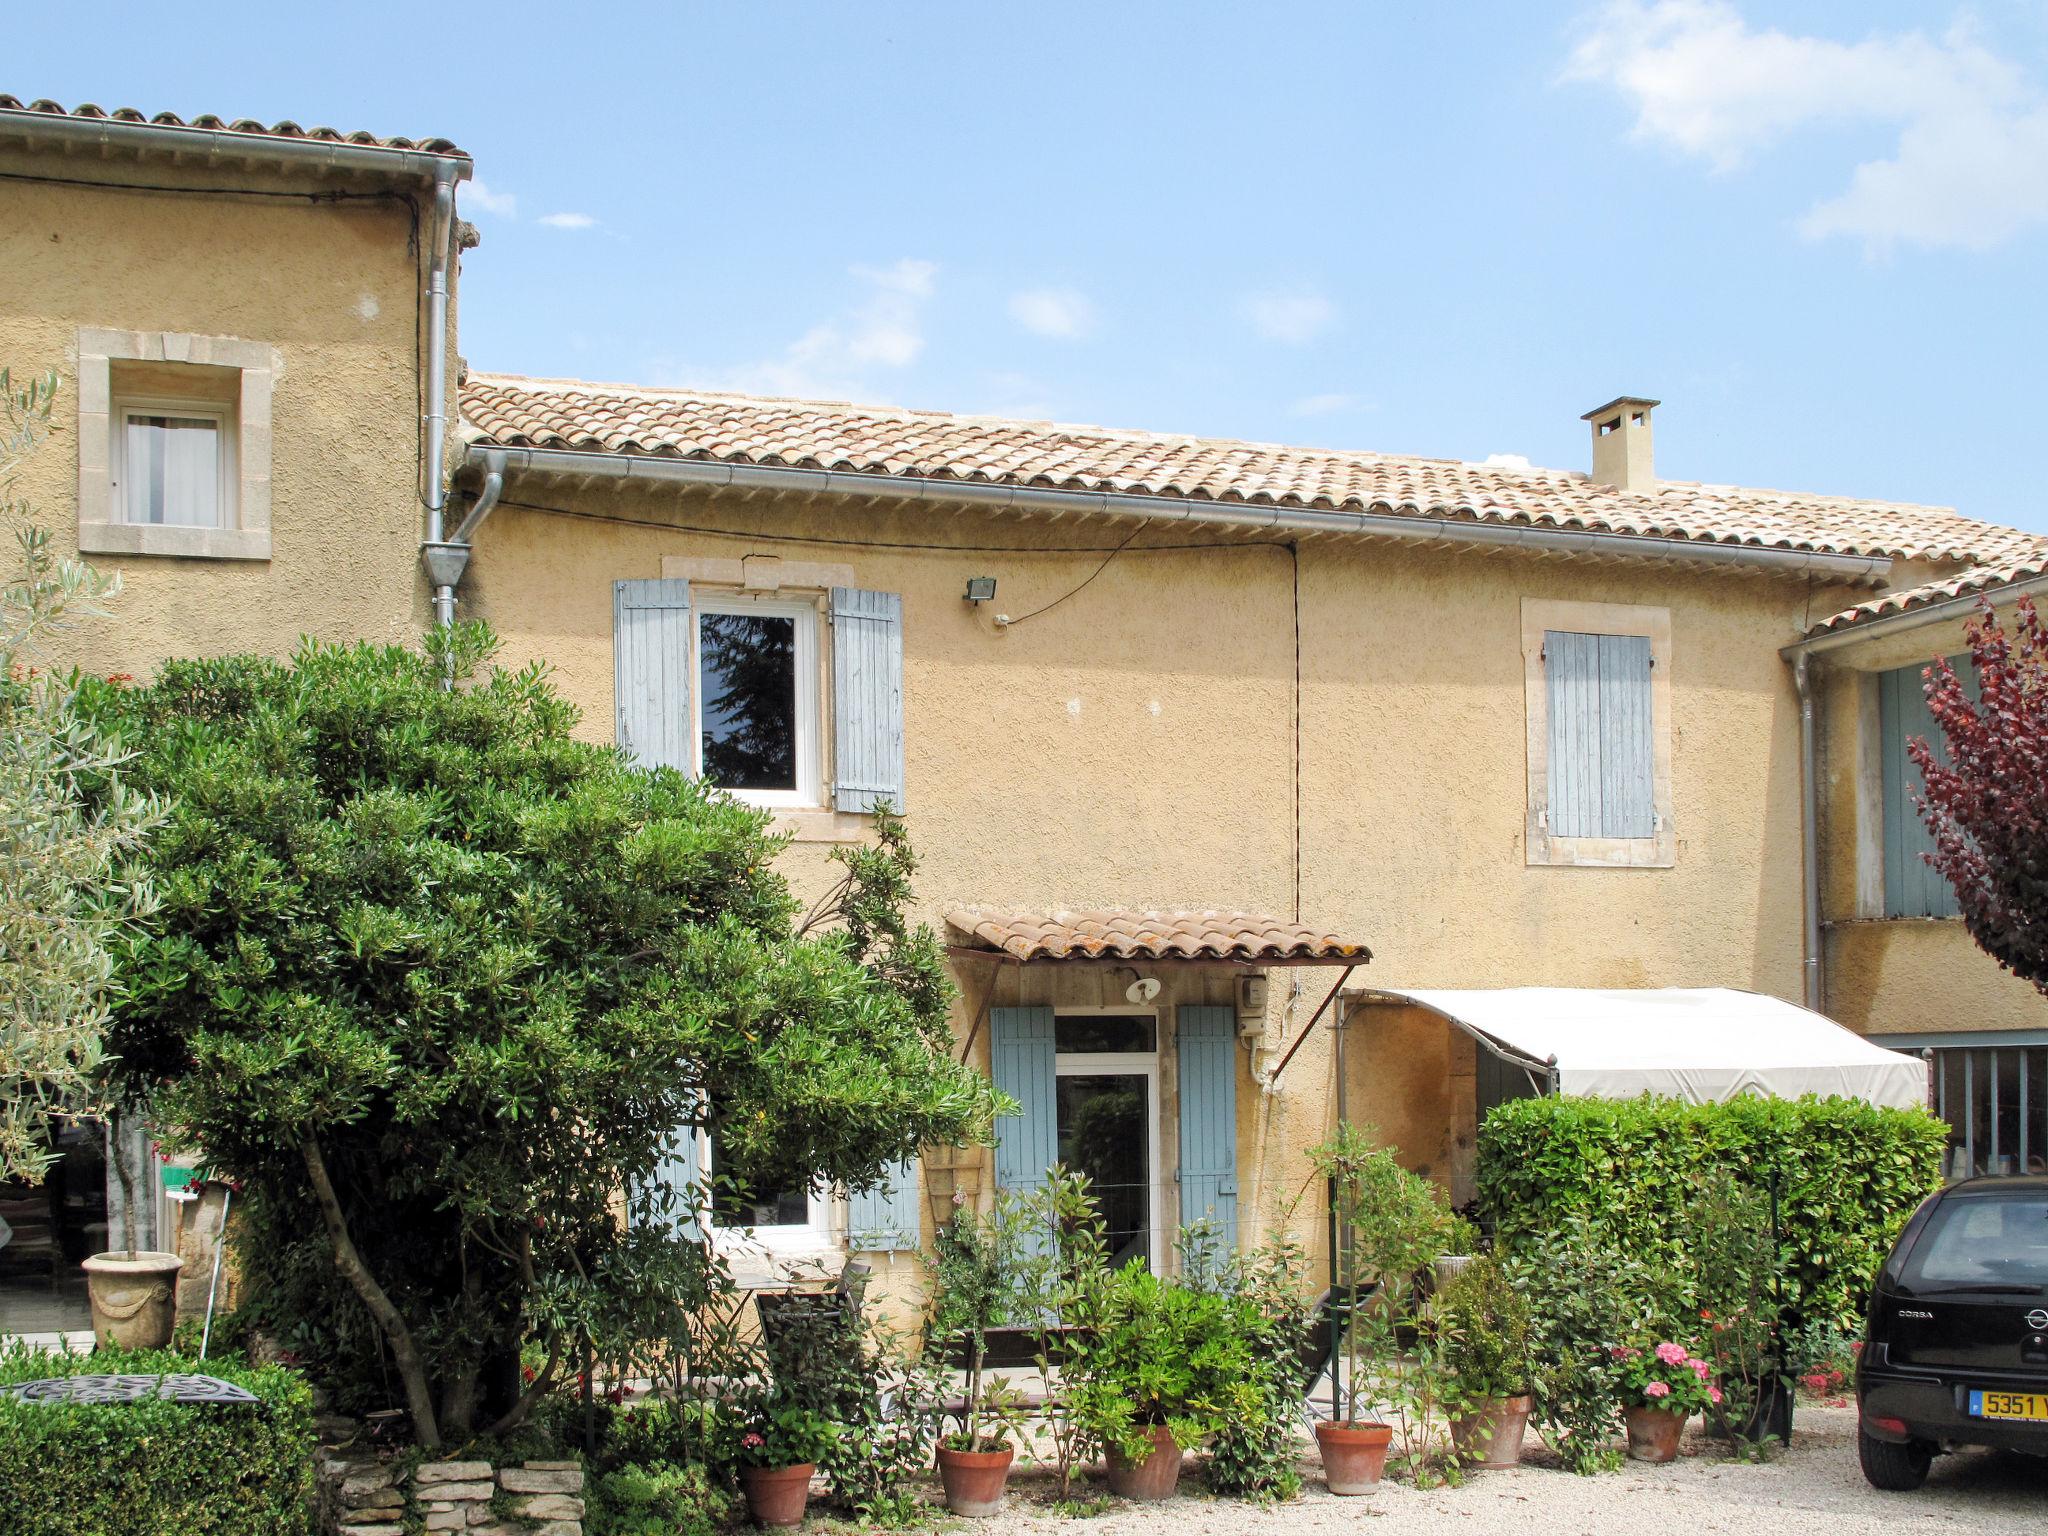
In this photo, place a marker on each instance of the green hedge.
(1848, 1175)
(155, 1468)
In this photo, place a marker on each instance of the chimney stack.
(1621, 444)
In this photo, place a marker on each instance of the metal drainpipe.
(435, 419)
(1809, 830)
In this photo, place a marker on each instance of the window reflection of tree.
(748, 676)
(1105, 1139)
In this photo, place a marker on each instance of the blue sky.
(1818, 232)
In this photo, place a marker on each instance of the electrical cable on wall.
(1004, 621)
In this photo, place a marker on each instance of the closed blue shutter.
(867, 699)
(1021, 1055)
(1912, 886)
(651, 672)
(1208, 1117)
(1602, 781)
(680, 1174)
(887, 1219)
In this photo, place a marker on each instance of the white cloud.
(1056, 312)
(1970, 165)
(1334, 403)
(846, 356)
(504, 205)
(568, 221)
(1507, 461)
(1291, 315)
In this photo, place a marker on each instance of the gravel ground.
(1815, 1486)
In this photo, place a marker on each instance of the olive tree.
(439, 983)
(69, 827)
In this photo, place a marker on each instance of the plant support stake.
(220, 1246)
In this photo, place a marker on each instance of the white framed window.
(173, 463)
(1598, 706)
(756, 718)
(781, 1221)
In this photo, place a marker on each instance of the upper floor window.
(173, 463)
(1912, 886)
(1598, 708)
(173, 445)
(790, 701)
(757, 698)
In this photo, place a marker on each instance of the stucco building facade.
(1501, 727)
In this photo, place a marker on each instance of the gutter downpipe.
(1866, 570)
(1800, 654)
(442, 572)
(1809, 835)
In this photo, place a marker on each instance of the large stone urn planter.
(134, 1297)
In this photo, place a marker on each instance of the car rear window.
(1983, 1242)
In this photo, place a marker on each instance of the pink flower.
(751, 1440)
(1700, 1368)
(1713, 1394)
(1624, 1352)
(1671, 1354)
(1657, 1389)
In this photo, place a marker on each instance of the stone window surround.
(100, 530)
(1658, 851)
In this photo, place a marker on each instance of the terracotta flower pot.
(134, 1297)
(1354, 1455)
(1154, 1478)
(1491, 1434)
(974, 1479)
(777, 1496)
(1653, 1433)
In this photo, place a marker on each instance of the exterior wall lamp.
(981, 589)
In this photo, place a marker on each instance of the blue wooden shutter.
(887, 1219)
(867, 699)
(681, 1174)
(1021, 1058)
(651, 672)
(1208, 1117)
(1912, 886)
(1602, 779)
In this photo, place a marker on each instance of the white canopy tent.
(1703, 1044)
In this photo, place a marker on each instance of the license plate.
(2009, 1405)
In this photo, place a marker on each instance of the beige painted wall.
(1134, 746)
(333, 289)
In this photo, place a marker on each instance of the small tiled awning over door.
(1023, 1040)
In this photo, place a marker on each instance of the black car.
(1957, 1349)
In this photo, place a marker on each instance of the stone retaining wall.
(367, 1492)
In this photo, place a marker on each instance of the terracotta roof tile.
(1981, 578)
(510, 411)
(243, 125)
(1130, 935)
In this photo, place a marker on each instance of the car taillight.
(1888, 1426)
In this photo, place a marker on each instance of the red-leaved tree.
(1987, 806)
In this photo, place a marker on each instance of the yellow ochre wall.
(1135, 747)
(333, 288)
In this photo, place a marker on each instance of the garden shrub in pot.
(1392, 1224)
(1165, 1367)
(777, 1446)
(1483, 1325)
(975, 1268)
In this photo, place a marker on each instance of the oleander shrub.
(1846, 1175)
(155, 1468)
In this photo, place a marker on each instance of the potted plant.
(779, 1446)
(1742, 1313)
(1483, 1324)
(1391, 1224)
(974, 1272)
(1156, 1378)
(1662, 1386)
(134, 1292)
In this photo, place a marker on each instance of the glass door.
(1107, 1123)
